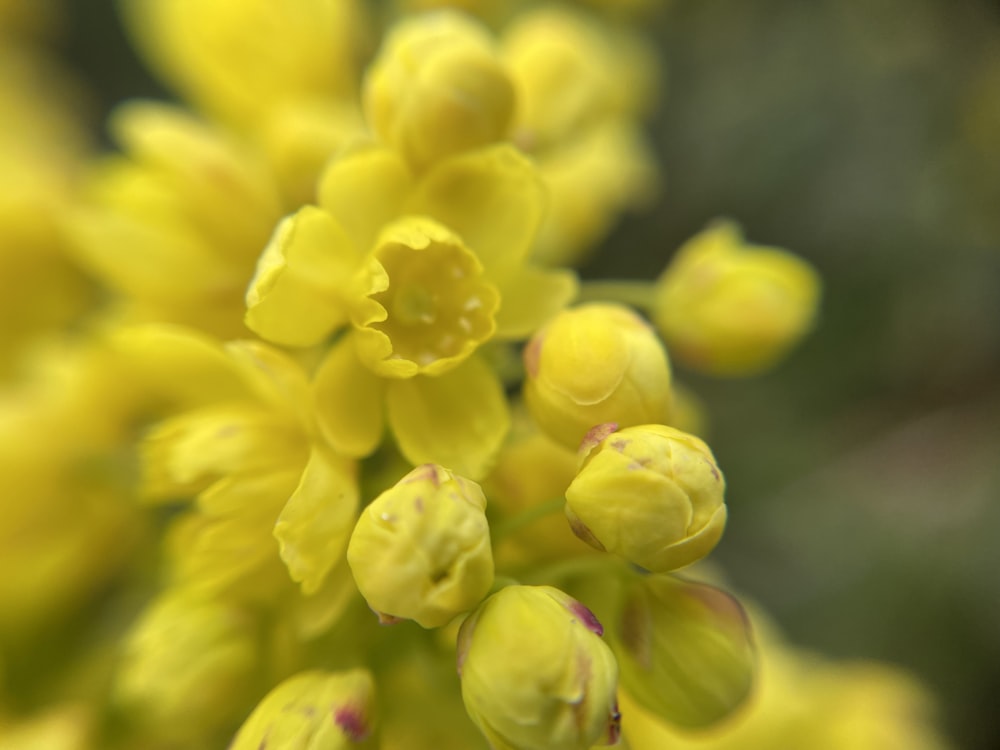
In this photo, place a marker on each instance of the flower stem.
(527, 517)
(638, 293)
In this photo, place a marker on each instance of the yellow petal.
(530, 297)
(349, 401)
(458, 419)
(274, 378)
(295, 298)
(493, 198)
(177, 365)
(364, 189)
(313, 528)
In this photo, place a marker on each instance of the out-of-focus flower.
(804, 700)
(273, 502)
(582, 87)
(729, 308)
(66, 521)
(42, 148)
(535, 672)
(421, 550)
(684, 649)
(244, 61)
(176, 224)
(595, 364)
(65, 727)
(312, 711)
(532, 470)
(651, 494)
(438, 88)
(187, 666)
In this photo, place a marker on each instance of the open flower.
(274, 502)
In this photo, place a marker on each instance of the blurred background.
(864, 474)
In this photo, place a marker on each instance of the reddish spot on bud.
(352, 722)
(423, 473)
(418, 504)
(589, 620)
(580, 529)
(595, 435)
(386, 619)
(614, 725)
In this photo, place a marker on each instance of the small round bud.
(187, 665)
(321, 710)
(594, 364)
(685, 650)
(729, 308)
(536, 674)
(651, 494)
(421, 549)
(438, 88)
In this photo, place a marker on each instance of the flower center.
(438, 306)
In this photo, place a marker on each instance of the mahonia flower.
(313, 710)
(63, 727)
(187, 666)
(244, 61)
(176, 225)
(421, 550)
(594, 364)
(582, 89)
(651, 494)
(273, 501)
(536, 674)
(67, 526)
(438, 88)
(684, 649)
(729, 308)
(426, 269)
(42, 150)
(804, 700)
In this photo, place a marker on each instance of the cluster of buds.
(333, 412)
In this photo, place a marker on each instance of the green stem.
(578, 566)
(638, 293)
(527, 517)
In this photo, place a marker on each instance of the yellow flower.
(243, 60)
(67, 524)
(729, 308)
(421, 292)
(684, 649)
(581, 87)
(312, 711)
(805, 700)
(421, 550)
(176, 225)
(651, 494)
(64, 727)
(594, 364)
(187, 665)
(536, 674)
(438, 88)
(273, 501)
(42, 147)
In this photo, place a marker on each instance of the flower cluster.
(336, 418)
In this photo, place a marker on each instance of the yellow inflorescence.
(257, 362)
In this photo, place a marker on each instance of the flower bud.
(187, 665)
(438, 88)
(651, 494)
(685, 650)
(595, 364)
(315, 710)
(421, 549)
(536, 674)
(729, 308)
